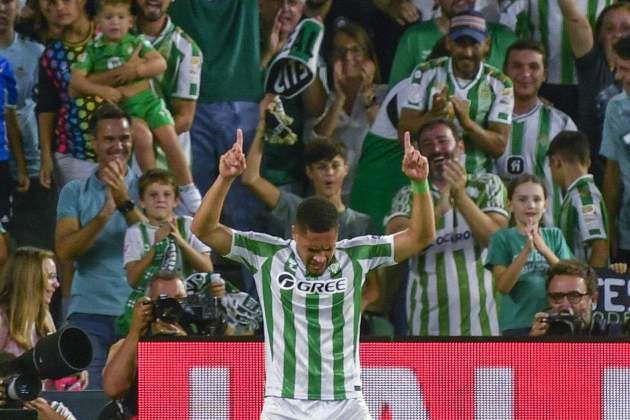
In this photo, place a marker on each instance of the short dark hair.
(107, 111)
(434, 123)
(157, 176)
(320, 149)
(526, 44)
(524, 179)
(316, 214)
(574, 268)
(111, 3)
(572, 146)
(622, 47)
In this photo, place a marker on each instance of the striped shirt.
(311, 322)
(449, 291)
(526, 151)
(184, 59)
(542, 20)
(489, 94)
(583, 216)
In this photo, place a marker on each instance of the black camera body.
(564, 323)
(198, 314)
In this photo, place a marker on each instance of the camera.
(563, 323)
(22, 387)
(198, 314)
(63, 353)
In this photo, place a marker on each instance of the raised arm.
(421, 230)
(206, 224)
(578, 28)
(264, 190)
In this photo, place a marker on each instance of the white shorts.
(276, 408)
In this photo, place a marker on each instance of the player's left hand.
(414, 165)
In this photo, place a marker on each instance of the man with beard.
(449, 292)
(417, 42)
(479, 96)
(179, 84)
(534, 123)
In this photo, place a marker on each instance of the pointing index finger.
(407, 141)
(239, 138)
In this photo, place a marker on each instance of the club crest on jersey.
(287, 281)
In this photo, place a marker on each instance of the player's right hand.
(232, 162)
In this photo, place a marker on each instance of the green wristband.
(420, 187)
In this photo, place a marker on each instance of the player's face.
(153, 10)
(453, 7)
(315, 249)
(527, 70)
(327, 176)
(112, 141)
(439, 145)
(159, 202)
(8, 13)
(569, 292)
(528, 203)
(467, 55)
(115, 21)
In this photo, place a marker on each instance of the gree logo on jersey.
(287, 281)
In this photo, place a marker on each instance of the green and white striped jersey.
(311, 322)
(183, 59)
(489, 94)
(542, 20)
(449, 292)
(526, 151)
(583, 216)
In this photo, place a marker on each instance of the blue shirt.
(616, 146)
(8, 97)
(100, 284)
(24, 58)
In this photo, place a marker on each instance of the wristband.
(420, 187)
(126, 207)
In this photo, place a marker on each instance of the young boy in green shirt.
(115, 47)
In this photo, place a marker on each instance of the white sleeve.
(503, 105)
(134, 245)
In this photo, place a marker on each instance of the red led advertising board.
(402, 380)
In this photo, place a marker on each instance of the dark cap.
(468, 24)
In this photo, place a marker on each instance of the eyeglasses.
(354, 50)
(573, 297)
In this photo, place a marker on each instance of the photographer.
(572, 293)
(119, 375)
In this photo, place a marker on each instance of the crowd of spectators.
(116, 113)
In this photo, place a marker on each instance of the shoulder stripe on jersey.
(259, 248)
